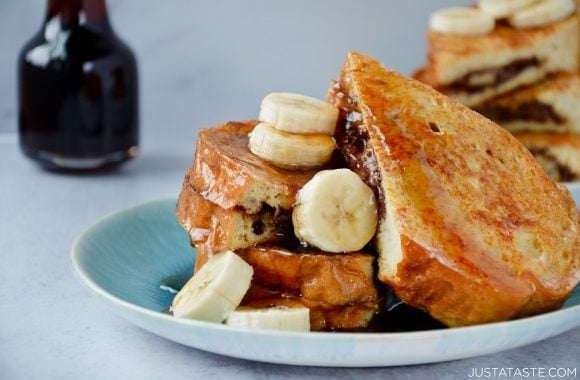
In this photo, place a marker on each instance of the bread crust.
(475, 217)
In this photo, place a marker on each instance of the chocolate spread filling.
(558, 172)
(529, 111)
(352, 139)
(467, 83)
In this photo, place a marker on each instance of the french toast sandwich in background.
(471, 229)
(474, 69)
(545, 118)
(558, 153)
(552, 105)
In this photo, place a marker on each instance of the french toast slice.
(221, 229)
(474, 69)
(338, 289)
(550, 106)
(559, 154)
(226, 173)
(471, 229)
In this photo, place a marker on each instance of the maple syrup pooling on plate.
(396, 316)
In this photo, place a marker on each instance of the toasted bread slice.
(559, 154)
(550, 106)
(222, 229)
(339, 289)
(471, 228)
(334, 279)
(474, 69)
(226, 173)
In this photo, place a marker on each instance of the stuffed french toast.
(304, 219)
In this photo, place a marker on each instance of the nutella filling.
(480, 80)
(555, 170)
(352, 139)
(528, 111)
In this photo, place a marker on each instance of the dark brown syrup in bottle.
(78, 90)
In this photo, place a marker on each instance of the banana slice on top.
(215, 290)
(503, 8)
(542, 13)
(298, 114)
(462, 21)
(335, 211)
(273, 318)
(288, 150)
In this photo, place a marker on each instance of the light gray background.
(201, 63)
(204, 62)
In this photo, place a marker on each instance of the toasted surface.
(473, 69)
(222, 229)
(472, 230)
(339, 289)
(226, 173)
(551, 105)
(559, 154)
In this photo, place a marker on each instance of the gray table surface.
(51, 327)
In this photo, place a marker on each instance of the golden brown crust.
(226, 173)
(467, 200)
(333, 279)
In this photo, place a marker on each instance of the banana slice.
(273, 318)
(288, 150)
(299, 114)
(543, 13)
(215, 290)
(335, 211)
(462, 21)
(503, 8)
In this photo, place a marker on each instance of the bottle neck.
(78, 12)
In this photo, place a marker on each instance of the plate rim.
(89, 283)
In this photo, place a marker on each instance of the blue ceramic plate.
(127, 257)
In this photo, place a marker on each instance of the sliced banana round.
(503, 8)
(299, 114)
(273, 318)
(335, 211)
(543, 13)
(288, 150)
(462, 21)
(215, 290)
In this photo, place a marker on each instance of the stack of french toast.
(517, 63)
(234, 200)
(388, 184)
